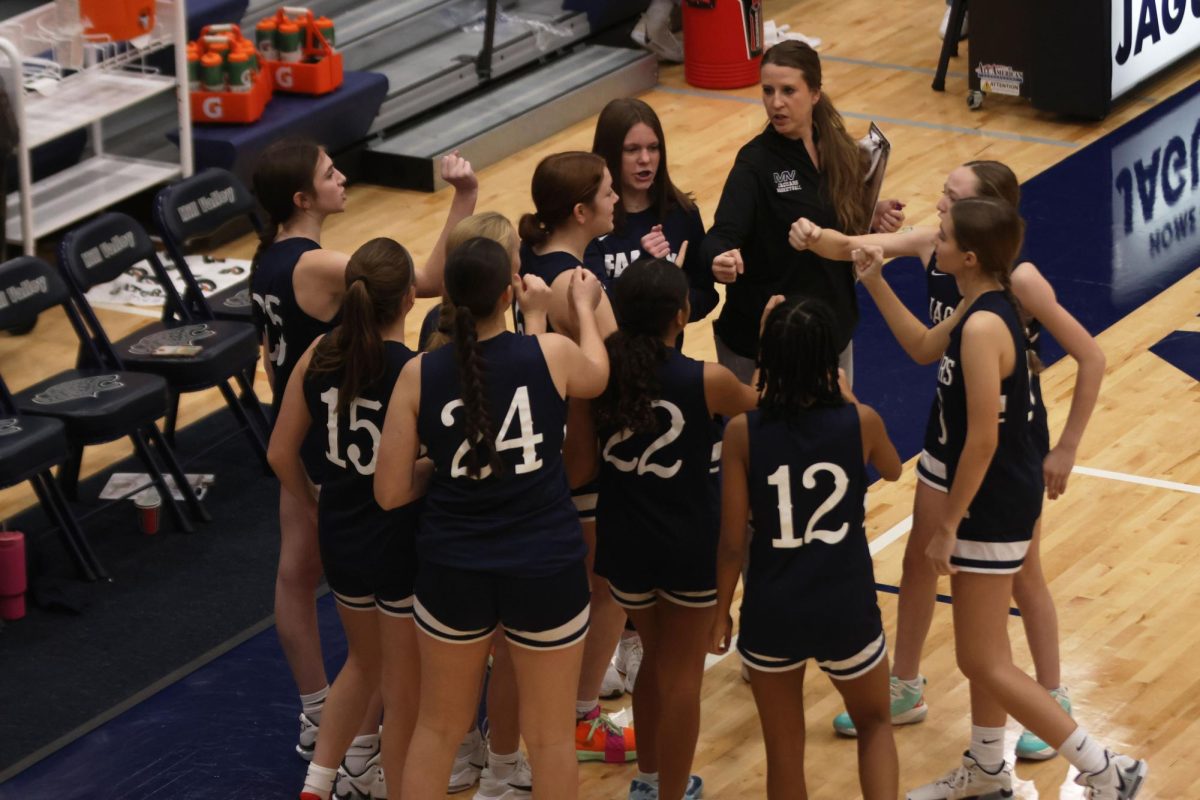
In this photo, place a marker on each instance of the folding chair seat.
(103, 248)
(199, 206)
(92, 404)
(29, 448)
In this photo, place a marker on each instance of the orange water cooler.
(722, 42)
(121, 20)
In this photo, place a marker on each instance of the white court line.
(1127, 478)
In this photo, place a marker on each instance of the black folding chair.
(102, 249)
(29, 447)
(199, 206)
(95, 403)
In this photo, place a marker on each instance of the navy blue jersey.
(609, 255)
(288, 329)
(657, 488)
(944, 297)
(548, 266)
(809, 550)
(521, 522)
(942, 289)
(1012, 487)
(347, 446)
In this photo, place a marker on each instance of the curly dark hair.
(647, 296)
(798, 359)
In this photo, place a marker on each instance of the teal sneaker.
(908, 707)
(1032, 748)
(640, 790)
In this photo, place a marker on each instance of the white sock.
(502, 765)
(914, 685)
(319, 781)
(585, 707)
(987, 747)
(1085, 753)
(312, 704)
(648, 777)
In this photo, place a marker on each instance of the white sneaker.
(362, 785)
(969, 780)
(308, 737)
(517, 786)
(468, 762)
(613, 685)
(946, 24)
(629, 659)
(1121, 778)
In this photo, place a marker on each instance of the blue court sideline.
(1111, 226)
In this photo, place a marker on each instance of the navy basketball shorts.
(461, 606)
(585, 498)
(366, 570)
(846, 644)
(641, 568)
(994, 537)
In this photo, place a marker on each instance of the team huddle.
(548, 479)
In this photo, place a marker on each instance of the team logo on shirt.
(785, 181)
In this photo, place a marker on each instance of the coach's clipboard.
(878, 148)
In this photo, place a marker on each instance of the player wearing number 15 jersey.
(334, 405)
(499, 540)
(796, 466)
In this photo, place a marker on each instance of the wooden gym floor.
(1120, 548)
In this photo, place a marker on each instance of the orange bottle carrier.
(319, 70)
(229, 105)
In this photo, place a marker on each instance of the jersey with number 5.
(520, 522)
(343, 446)
(807, 491)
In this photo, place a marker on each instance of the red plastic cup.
(12, 575)
(148, 503)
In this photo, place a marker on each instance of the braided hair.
(647, 296)
(379, 276)
(798, 359)
(477, 273)
(284, 168)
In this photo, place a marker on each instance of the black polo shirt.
(772, 184)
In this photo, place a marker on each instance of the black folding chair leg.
(189, 494)
(68, 473)
(253, 405)
(73, 525)
(235, 405)
(172, 416)
(156, 475)
(76, 546)
(958, 11)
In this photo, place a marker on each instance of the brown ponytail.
(379, 277)
(843, 162)
(477, 273)
(994, 179)
(284, 168)
(560, 182)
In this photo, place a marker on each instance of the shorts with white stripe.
(932, 471)
(540, 613)
(839, 669)
(989, 557)
(644, 599)
(585, 498)
(400, 607)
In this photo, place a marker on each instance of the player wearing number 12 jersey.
(796, 466)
